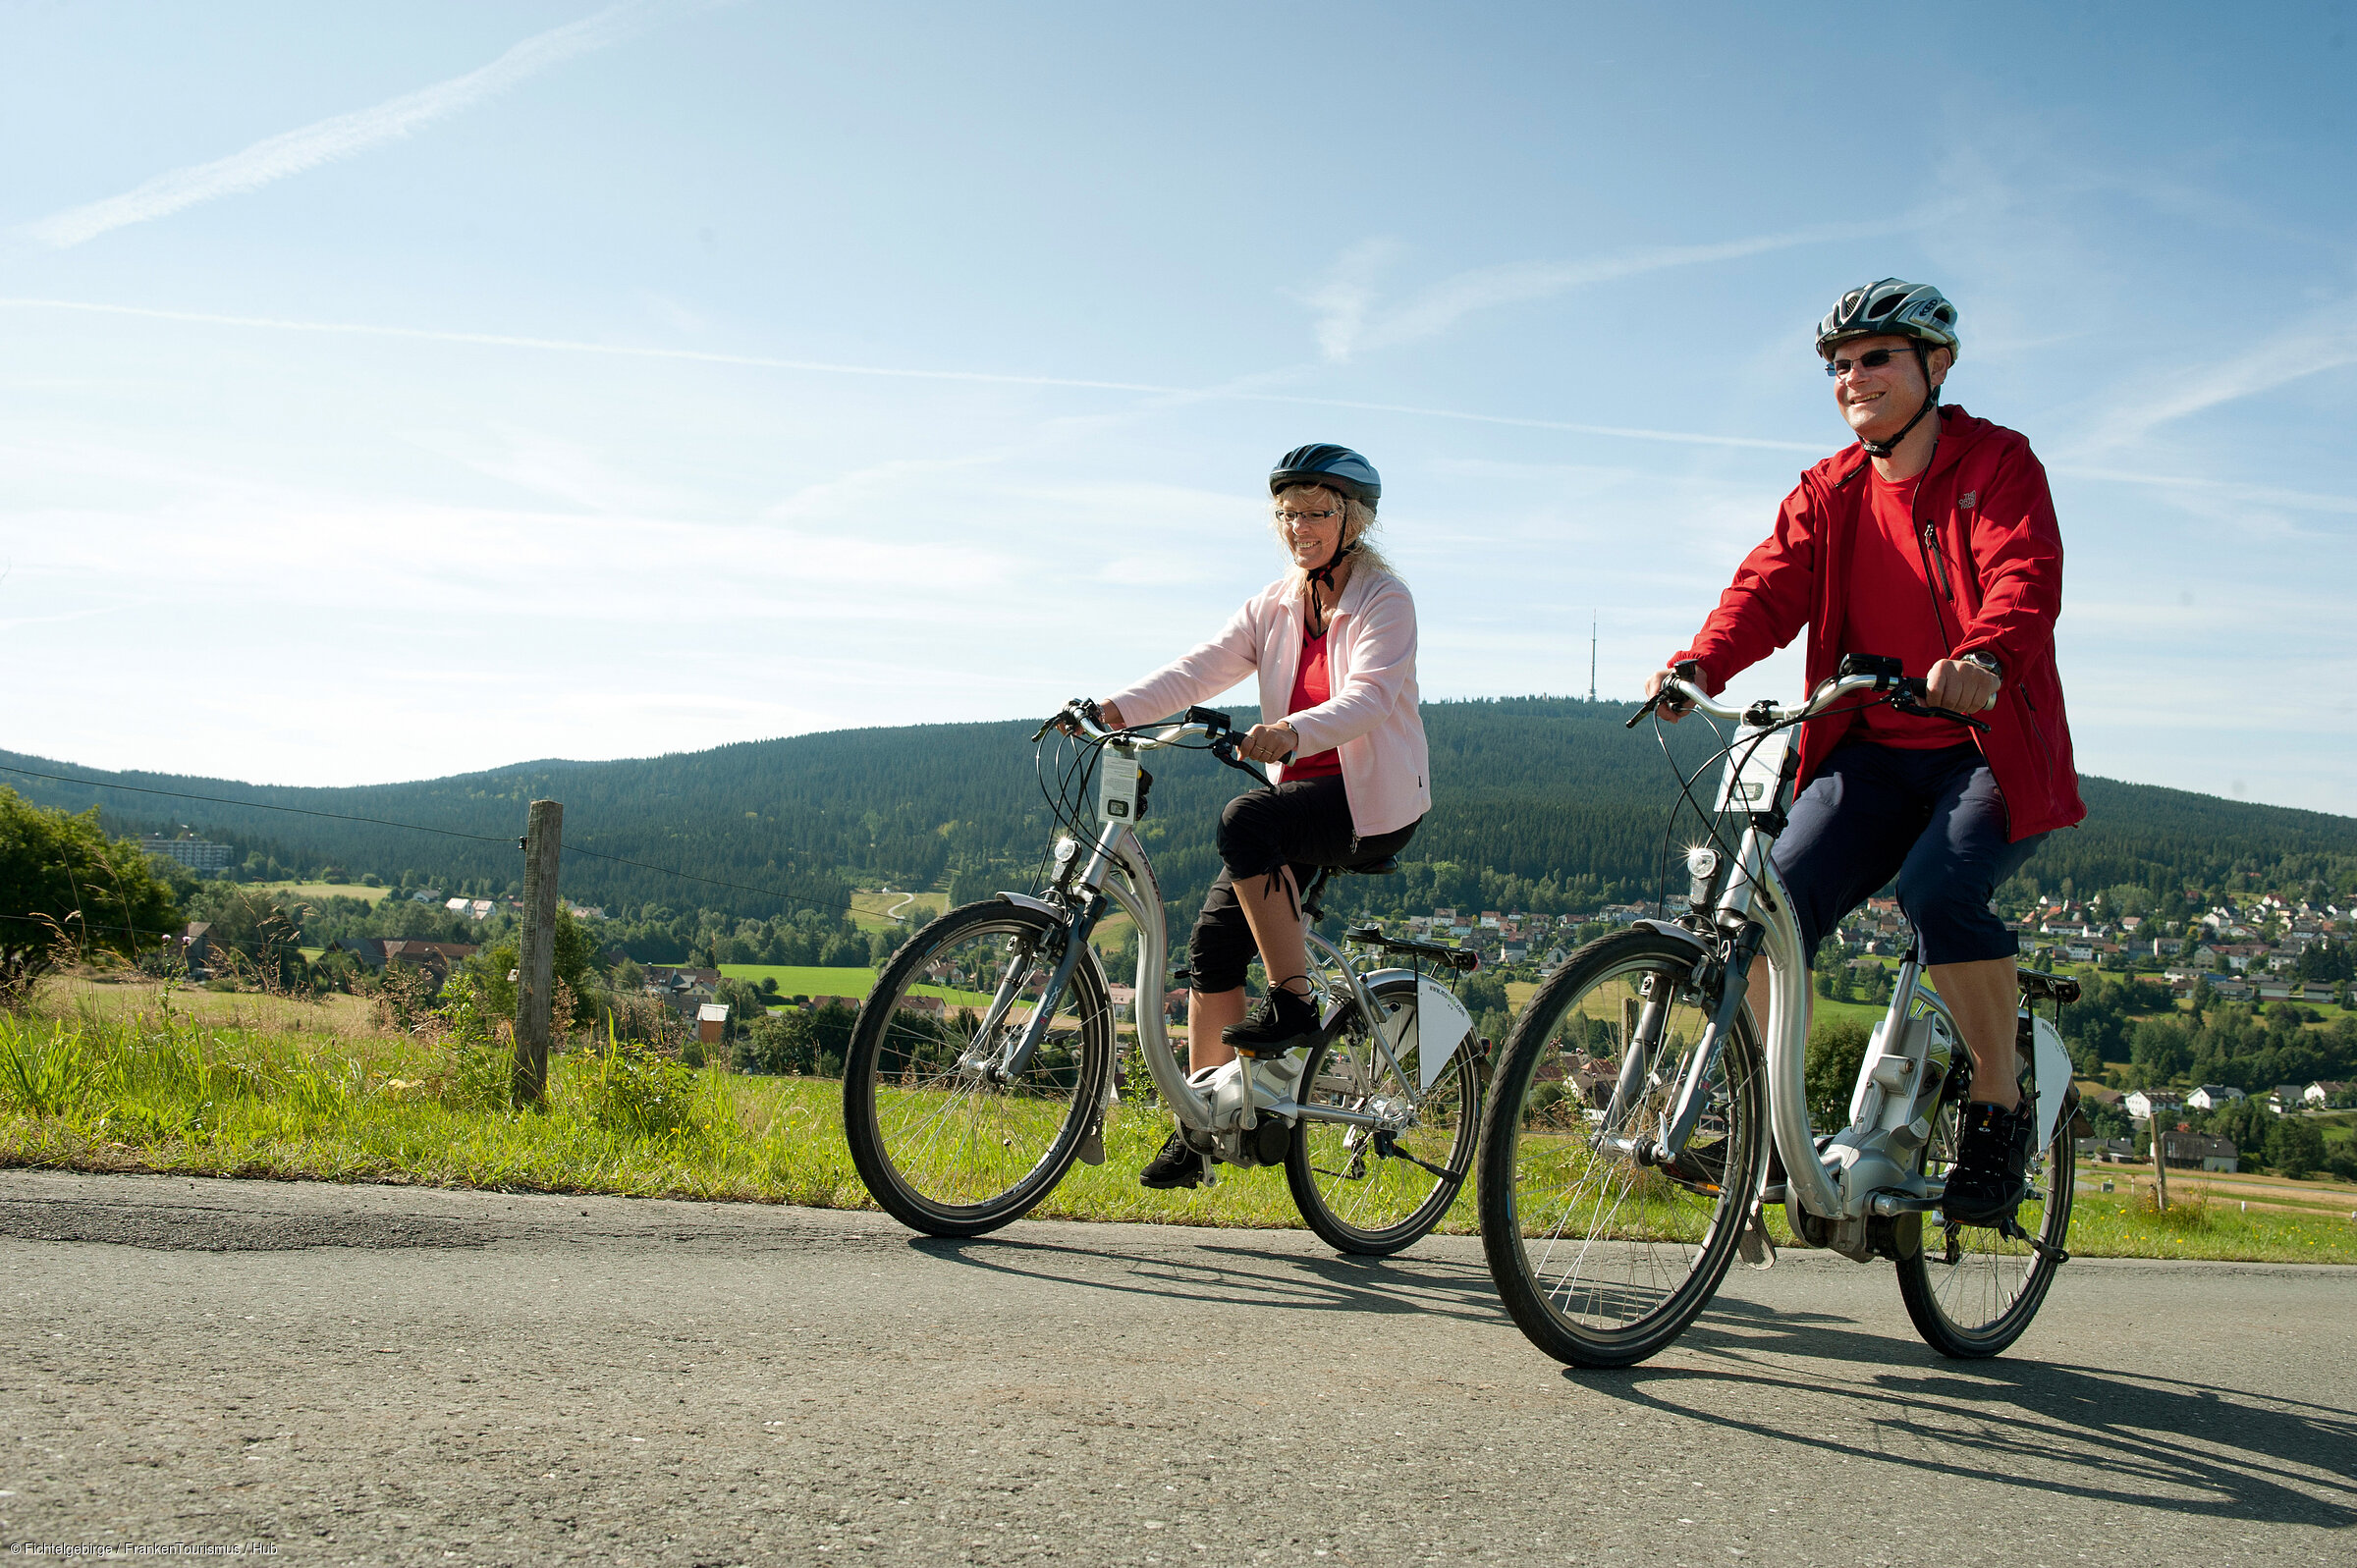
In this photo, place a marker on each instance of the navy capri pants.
(1934, 819)
(1303, 825)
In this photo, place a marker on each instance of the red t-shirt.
(1890, 610)
(1313, 683)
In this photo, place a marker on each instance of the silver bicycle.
(984, 1061)
(1624, 1160)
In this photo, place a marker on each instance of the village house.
(2199, 1148)
(2213, 1097)
(2143, 1103)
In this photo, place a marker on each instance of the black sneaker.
(1177, 1166)
(1275, 1025)
(1991, 1175)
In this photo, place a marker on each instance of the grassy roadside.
(150, 1085)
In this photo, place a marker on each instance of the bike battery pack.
(1118, 785)
(1755, 771)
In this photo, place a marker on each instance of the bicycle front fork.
(1664, 1144)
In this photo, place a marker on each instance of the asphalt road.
(390, 1375)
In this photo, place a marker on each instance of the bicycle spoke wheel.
(1973, 1289)
(1604, 1260)
(1376, 1191)
(942, 1144)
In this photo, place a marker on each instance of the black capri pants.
(1934, 819)
(1304, 826)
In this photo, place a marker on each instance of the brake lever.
(1223, 748)
(1086, 707)
(1904, 699)
(1684, 670)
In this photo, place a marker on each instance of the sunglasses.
(1870, 359)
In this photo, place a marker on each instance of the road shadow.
(2132, 1438)
(1239, 1277)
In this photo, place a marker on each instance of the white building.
(2212, 1096)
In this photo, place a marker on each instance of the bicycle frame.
(1119, 871)
(1869, 1168)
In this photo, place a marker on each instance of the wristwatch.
(1986, 660)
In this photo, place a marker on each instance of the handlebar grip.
(1686, 670)
(1908, 696)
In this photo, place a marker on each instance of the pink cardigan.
(1372, 719)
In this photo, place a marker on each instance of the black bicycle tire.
(1501, 1235)
(1959, 1343)
(866, 1139)
(1339, 1233)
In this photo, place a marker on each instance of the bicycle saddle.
(1371, 868)
(2062, 990)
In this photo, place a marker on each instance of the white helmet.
(1894, 305)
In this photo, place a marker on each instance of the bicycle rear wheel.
(942, 1146)
(1973, 1289)
(1375, 1192)
(1601, 1259)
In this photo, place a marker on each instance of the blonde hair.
(1358, 527)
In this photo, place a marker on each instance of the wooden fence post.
(2160, 1164)
(536, 952)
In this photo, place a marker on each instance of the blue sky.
(389, 391)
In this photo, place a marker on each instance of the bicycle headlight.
(1703, 862)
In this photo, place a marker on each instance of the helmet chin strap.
(1931, 400)
(1325, 574)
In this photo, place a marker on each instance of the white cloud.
(345, 135)
(2325, 341)
(1348, 320)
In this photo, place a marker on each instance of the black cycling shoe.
(1177, 1166)
(1990, 1177)
(1275, 1025)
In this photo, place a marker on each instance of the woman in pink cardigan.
(1334, 643)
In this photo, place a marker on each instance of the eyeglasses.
(1870, 359)
(1290, 517)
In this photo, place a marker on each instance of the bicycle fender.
(1671, 928)
(1029, 902)
(1436, 1029)
(2052, 1066)
(1441, 1022)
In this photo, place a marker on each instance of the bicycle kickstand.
(2010, 1230)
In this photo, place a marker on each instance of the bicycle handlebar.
(1905, 694)
(1082, 715)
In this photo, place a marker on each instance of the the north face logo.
(1965, 503)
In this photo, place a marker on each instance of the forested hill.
(1541, 802)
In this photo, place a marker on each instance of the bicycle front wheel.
(1373, 1191)
(1973, 1289)
(1602, 1259)
(943, 1145)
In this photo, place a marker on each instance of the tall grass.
(164, 1091)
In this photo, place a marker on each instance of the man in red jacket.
(1931, 540)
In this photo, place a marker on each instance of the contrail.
(344, 134)
(829, 368)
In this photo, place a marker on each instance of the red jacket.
(1999, 557)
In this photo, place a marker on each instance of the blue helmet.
(1336, 468)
